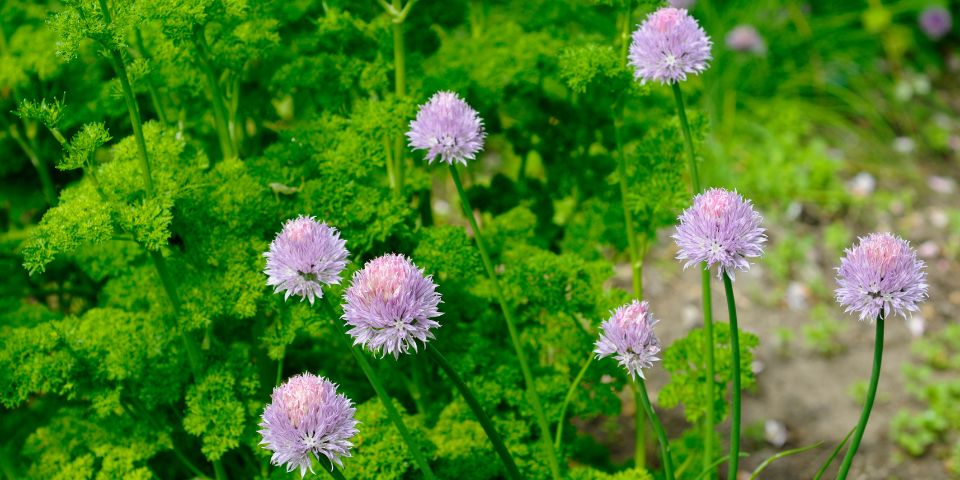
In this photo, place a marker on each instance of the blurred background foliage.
(254, 112)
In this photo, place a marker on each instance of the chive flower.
(881, 275)
(390, 305)
(304, 257)
(667, 46)
(935, 22)
(722, 229)
(628, 334)
(746, 39)
(306, 416)
(447, 127)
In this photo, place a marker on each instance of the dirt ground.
(807, 392)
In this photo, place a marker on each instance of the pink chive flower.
(305, 256)
(306, 416)
(881, 275)
(449, 128)
(722, 229)
(628, 334)
(667, 46)
(746, 39)
(935, 22)
(390, 305)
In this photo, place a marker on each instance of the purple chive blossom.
(667, 46)
(305, 256)
(722, 229)
(935, 22)
(881, 275)
(745, 38)
(390, 305)
(629, 334)
(307, 416)
(446, 126)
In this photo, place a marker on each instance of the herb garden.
(470, 239)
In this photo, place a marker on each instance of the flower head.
(446, 126)
(935, 22)
(722, 229)
(881, 275)
(390, 305)
(305, 256)
(745, 38)
(307, 416)
(667, 46)
(629, 334)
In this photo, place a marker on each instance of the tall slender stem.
(632, 249)
(640, 435)
(868, 404)
(485, 422)
(132, 108)
(218, 470)
(734, 378)
(46, 182)
(665, 454)
(708, 347)
(567, 398)
(400, 81)
(377, 385)
(541, 417)
(135, 121)
(193, 352)
(687, 138)
(335, 473)
(711, 376)
(216, 95)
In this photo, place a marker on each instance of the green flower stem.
(218, 470)
(640, 388)
(833, 454)
(193, 352)
(131, 100)
(541, 418)
(400, 80)
(632, 249)
(567, 398)
(710, 416)
(640, 434)
(335, 473)
(868, 404)
(708, 347)
(279, 370)
(734, 378)
(485, 422)
(216, 95)
(687, 138)
(381, 392)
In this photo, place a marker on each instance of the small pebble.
(775, 433)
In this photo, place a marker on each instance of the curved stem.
(377, 385)
(868, 404)
(687, 139)
(193, 353)
(567, 398)
(135, 121)
(735, 379)
(46, 182)
(641, 389)
(541, 418)
(219, 471)
(216, 95)
(632, 249)
(400, 80)
(485, 422)
(708, 347)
